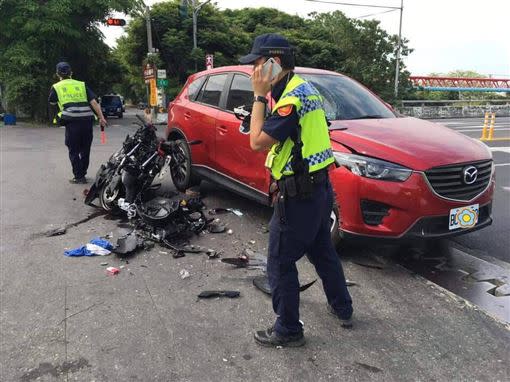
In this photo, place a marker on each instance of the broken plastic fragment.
(178, 254)
(219, 293)
(230, 232)
(112, 271)
(216, 228)
(184, 274)
(235, 211)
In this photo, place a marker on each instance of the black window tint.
(194, 87)
(241, 92)
(345, 99)
(211, 92)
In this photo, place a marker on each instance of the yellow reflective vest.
(72, 101)
(316, 148)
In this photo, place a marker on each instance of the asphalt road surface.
(64, 319)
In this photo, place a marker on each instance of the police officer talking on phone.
(296, 135)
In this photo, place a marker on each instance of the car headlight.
(372, 168)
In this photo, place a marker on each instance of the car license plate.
(464, 217)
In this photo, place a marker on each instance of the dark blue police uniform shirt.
(53, 98)
(277, 126)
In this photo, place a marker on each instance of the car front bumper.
(400, 210)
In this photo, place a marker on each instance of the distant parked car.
(394, 177)
(111, 104)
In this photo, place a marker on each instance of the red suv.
(395, 177)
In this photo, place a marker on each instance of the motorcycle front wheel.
(108, 199)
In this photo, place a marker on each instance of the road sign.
(209, 61)
(149, 72)
(153, 93)
(161, 73)
(162, 82)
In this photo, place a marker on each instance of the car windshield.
(346, 99)
(110, 101)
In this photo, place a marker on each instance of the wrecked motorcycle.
(131, 169)
(124, 182)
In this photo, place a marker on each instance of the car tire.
(180, 168)
(121, 115)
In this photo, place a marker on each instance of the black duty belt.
(319, 176)
(288, 185)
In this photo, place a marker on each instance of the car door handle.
(187, 115)
(222, 129)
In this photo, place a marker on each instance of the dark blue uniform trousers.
(78, 141)
(305, 228)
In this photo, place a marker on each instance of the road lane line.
(502, 149)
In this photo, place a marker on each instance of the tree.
(360, 49)
(35, 35)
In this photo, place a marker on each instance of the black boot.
(344, 322)
(270, 338)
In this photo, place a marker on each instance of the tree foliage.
(35, 35)
(360, 49)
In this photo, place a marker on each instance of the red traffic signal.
(116, 22)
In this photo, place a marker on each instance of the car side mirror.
(245, 117)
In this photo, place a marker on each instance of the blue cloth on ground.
(102, 243)
(83, 251)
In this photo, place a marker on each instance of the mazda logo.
(470, 174)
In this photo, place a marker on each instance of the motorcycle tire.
(109, 201)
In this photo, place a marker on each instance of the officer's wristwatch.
(260, 99)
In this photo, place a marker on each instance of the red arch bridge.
(459, 84)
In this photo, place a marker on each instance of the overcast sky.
(445, 34)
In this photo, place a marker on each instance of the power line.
(378, 13)
(353, 4)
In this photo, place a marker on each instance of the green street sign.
(162, 82)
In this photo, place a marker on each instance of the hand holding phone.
(276, 68)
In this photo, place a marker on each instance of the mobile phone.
(276, 68)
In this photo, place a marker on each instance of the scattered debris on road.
(96, 246)
(112, 271)
(219, 293)
(184, 274)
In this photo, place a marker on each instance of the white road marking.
(506, 188)
(502, 164)
(502, 149)
(480, 129)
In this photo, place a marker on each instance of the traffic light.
(115, 22)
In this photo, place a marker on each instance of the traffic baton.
(103, 136)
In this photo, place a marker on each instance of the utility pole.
(397, 64)
(149, 29)
(150, 50)
(196, 6)
(401, 8)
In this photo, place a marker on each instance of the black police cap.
(267, 45)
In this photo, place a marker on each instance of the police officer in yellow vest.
(296, 134)
(75, 102)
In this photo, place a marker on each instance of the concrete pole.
(196, 9)
(149, 32)
(150, 51)
(397, 64)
